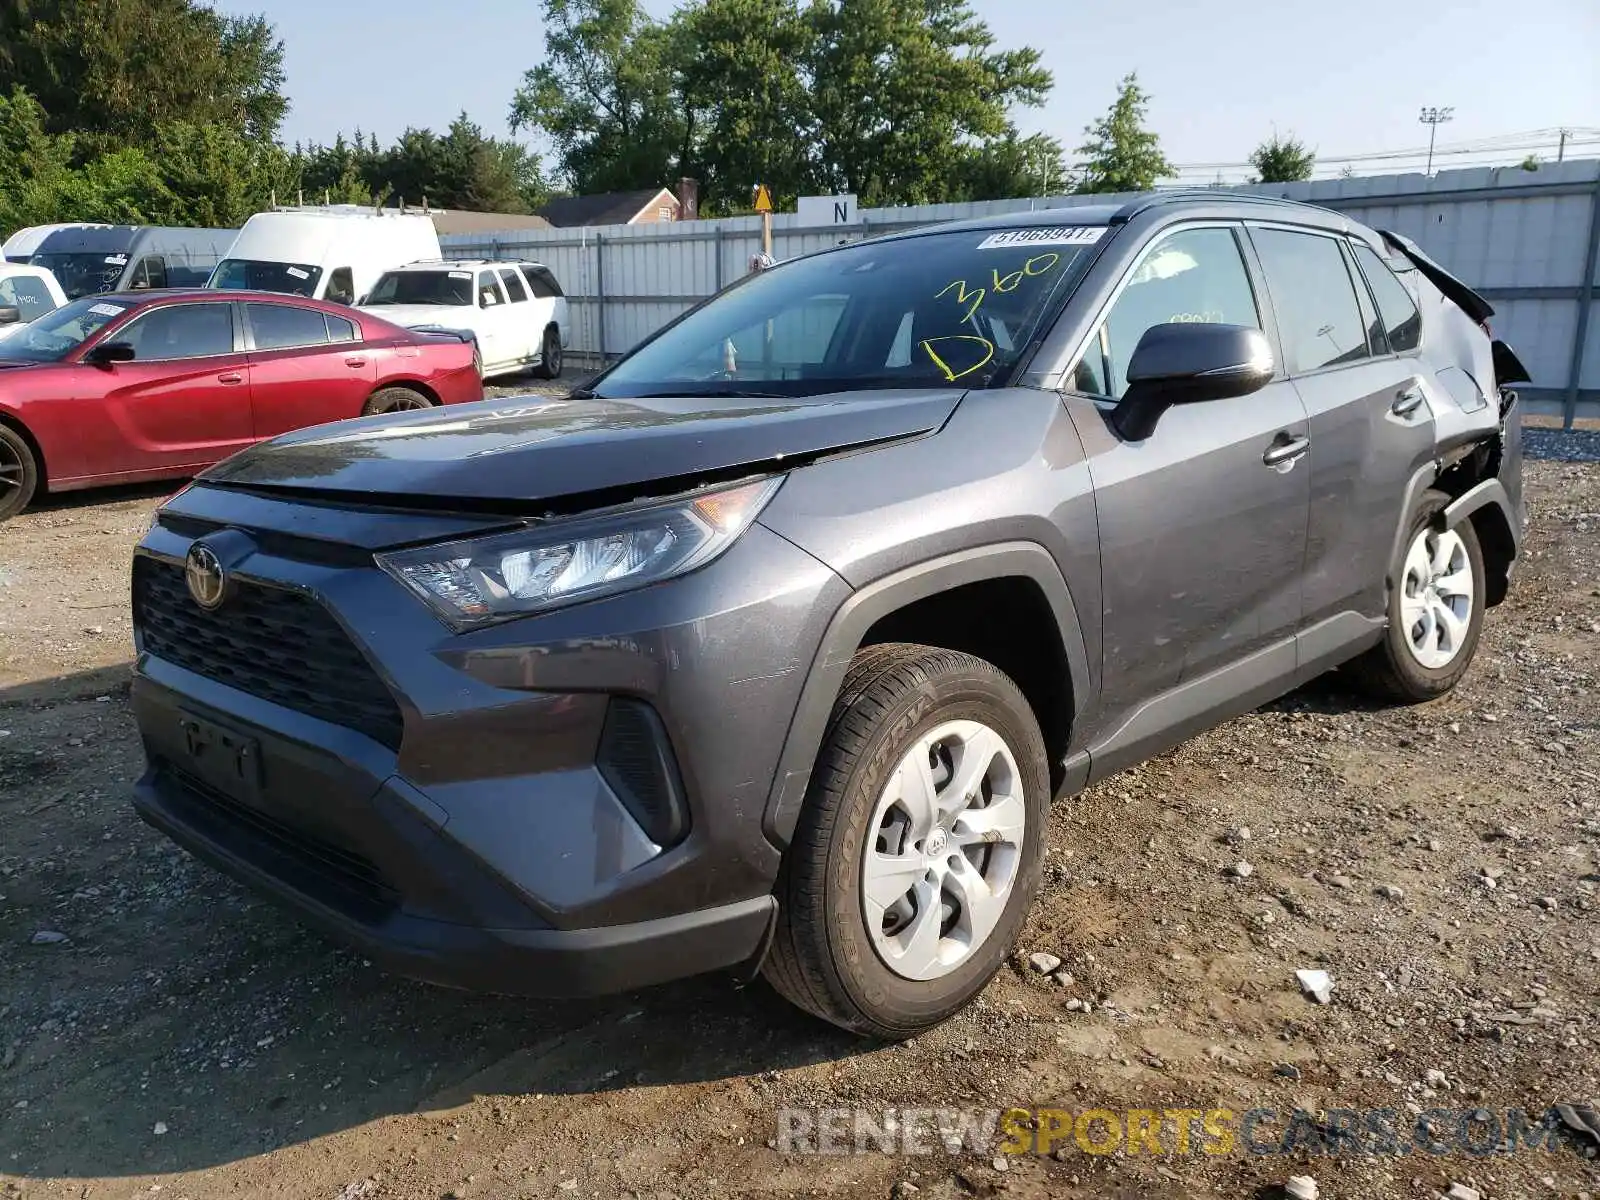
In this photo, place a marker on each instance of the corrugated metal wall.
(1527, 240)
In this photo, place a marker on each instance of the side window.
(1188, 276)
(1398, 312)
(489, 294)
(514, 289)
(280, 327)
(543, 283)
(27, 295)
(341, 287)
(340, 330)
(181, 331)
(1319, 319)
(150, 273)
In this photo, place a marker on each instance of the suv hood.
(409, 316)
(502, 452)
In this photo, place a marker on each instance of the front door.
(183, 402)
(1203, 523)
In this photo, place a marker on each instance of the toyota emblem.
(207, 580)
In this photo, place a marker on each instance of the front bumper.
(484, 844)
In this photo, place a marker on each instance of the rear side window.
(1319, 319)
(340, 330)
(1402, 323)
(180, 331)
(279, 327)
(1194, 275)
(543, 283)
(489, 294)
(515, 292)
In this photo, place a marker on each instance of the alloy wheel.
(944, 847)
(1436, 597)
(13, 473)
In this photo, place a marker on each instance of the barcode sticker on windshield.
(460, 274)
(117, 260)
(298, 273)
(106, 310)
(1060, 235)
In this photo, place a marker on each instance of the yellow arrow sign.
(763, 199)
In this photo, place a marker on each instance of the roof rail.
(1144, 203)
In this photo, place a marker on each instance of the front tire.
(19, 473)
(1435, 612)
(918, 852)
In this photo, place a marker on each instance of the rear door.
(1359, 375)
(1203, 523)
(306, 367)
(183, 402)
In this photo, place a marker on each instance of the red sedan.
(155, 385)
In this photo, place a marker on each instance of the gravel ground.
(163, 1032)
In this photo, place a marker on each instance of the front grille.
(341, 877)
(274, 643)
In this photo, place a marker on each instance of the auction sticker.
(106, 310)
(298, 273)
(1058, 235)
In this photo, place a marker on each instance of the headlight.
(485, 580)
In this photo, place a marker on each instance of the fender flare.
(864, 608)
(1488, 506)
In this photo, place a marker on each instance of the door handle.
(230, 377)
(355, 362)
(1407, 402)
(1285, 450)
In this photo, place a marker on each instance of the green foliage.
(114, 72)
(1122, 155)
(1282, 160)
(899, 103)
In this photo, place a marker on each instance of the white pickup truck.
(515, 311)
(26, 294)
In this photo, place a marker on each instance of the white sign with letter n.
(826, 210)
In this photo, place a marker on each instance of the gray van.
(90, 259)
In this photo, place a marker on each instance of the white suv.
(515, 311)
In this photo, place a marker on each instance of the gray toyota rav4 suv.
(769, 649)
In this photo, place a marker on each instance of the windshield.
(423, 287)
(55, 335)
(958, 307)
(239, 274)
(84, 273)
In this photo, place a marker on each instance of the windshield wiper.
(713, 393)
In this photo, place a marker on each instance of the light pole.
(1433, 118)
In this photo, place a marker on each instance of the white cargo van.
(334, 256)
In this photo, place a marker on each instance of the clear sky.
(1346, 76)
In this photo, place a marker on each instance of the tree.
(901, 92)
(1282, 160)
(1012, 166)
(1123, 156)
(113, 72)
(604, 96)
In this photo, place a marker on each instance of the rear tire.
(1435, 612)
(19, 472)
(550, 355)
(888, 924)
(395, 399)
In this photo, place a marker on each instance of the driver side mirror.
(107, 353)
(10, 314)
(1185, 363)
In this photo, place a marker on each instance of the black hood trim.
(555, 508)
